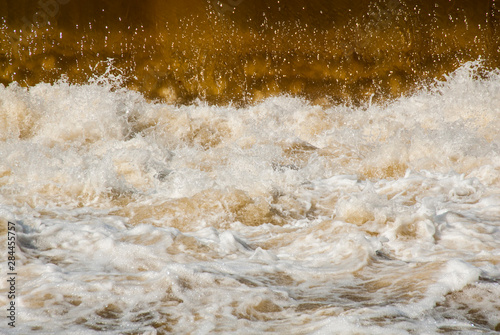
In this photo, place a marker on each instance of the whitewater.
(284, 216)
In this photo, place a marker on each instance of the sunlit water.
(138, 217)
(244, 51)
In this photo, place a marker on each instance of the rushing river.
(224, 191)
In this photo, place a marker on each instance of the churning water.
(280, 216)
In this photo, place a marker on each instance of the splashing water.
(137, 217)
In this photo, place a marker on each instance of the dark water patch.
(243, 50)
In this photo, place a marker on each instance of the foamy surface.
(285, 217)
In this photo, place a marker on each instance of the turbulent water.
(284, 217)
(237, 202)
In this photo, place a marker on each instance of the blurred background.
(241, 51)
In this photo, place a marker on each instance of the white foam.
(278, 217)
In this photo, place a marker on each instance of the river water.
(350, 206)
